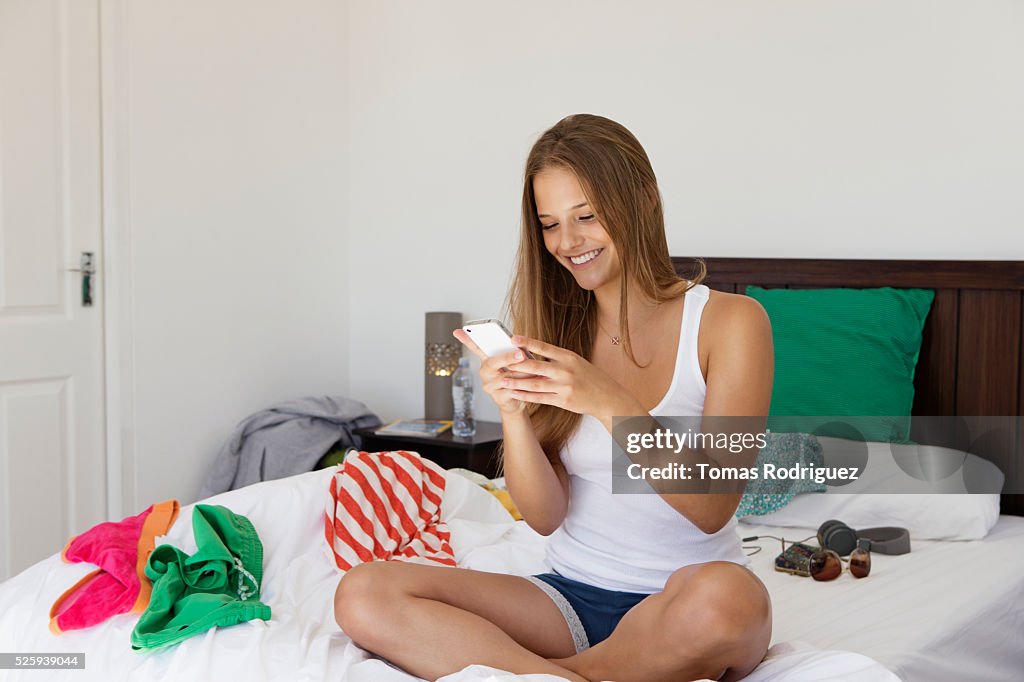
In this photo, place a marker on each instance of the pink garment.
(120, 584)
(387, 505)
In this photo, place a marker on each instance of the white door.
(52, 462)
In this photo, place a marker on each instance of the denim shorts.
(590, 612)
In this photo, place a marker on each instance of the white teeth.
(583, 258)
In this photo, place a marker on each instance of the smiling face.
(571, 231)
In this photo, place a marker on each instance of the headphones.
(842, 539)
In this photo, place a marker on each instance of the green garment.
(334, 457)
(219, 585)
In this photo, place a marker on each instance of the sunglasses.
(822, 564)
(825, 564)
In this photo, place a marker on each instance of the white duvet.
(302, 640)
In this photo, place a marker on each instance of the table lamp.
(442, 359)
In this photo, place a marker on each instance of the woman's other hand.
(567, 380)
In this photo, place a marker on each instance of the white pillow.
(927, 517)
(953, 515)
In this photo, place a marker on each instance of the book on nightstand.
(423, 428)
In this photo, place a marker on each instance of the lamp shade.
(441, 358)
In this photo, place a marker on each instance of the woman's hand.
(567, 380)
(493, 370)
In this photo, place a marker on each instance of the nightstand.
(477, 453)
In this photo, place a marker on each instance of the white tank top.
(634, 542)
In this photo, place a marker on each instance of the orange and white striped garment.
(387, 505)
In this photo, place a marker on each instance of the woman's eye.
(548, 227)
(586, 217)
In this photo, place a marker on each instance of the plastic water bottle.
(462, 399)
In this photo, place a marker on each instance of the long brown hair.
(545, 302)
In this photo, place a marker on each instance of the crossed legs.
(712, 620)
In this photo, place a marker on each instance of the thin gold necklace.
(616, 340)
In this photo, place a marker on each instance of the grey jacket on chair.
(286, 439)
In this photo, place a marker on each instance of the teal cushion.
(764, 496)
(845, 352)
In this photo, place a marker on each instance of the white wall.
(237, 174)
(874, 129)
(305, 179)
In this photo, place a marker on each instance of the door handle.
(88, 269)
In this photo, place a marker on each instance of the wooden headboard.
(972, 353)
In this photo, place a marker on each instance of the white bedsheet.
(302, 641)
(946, 611)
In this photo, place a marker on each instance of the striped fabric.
(387, 505)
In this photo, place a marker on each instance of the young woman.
(645, 587)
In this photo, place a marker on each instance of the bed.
(302, 642)
(947, 610)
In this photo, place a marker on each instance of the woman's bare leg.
(433, 620)
(712, 620)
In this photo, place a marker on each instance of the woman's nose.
(571, 237)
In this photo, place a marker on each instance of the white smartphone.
(490, 336)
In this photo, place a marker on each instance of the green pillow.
(845, 352)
